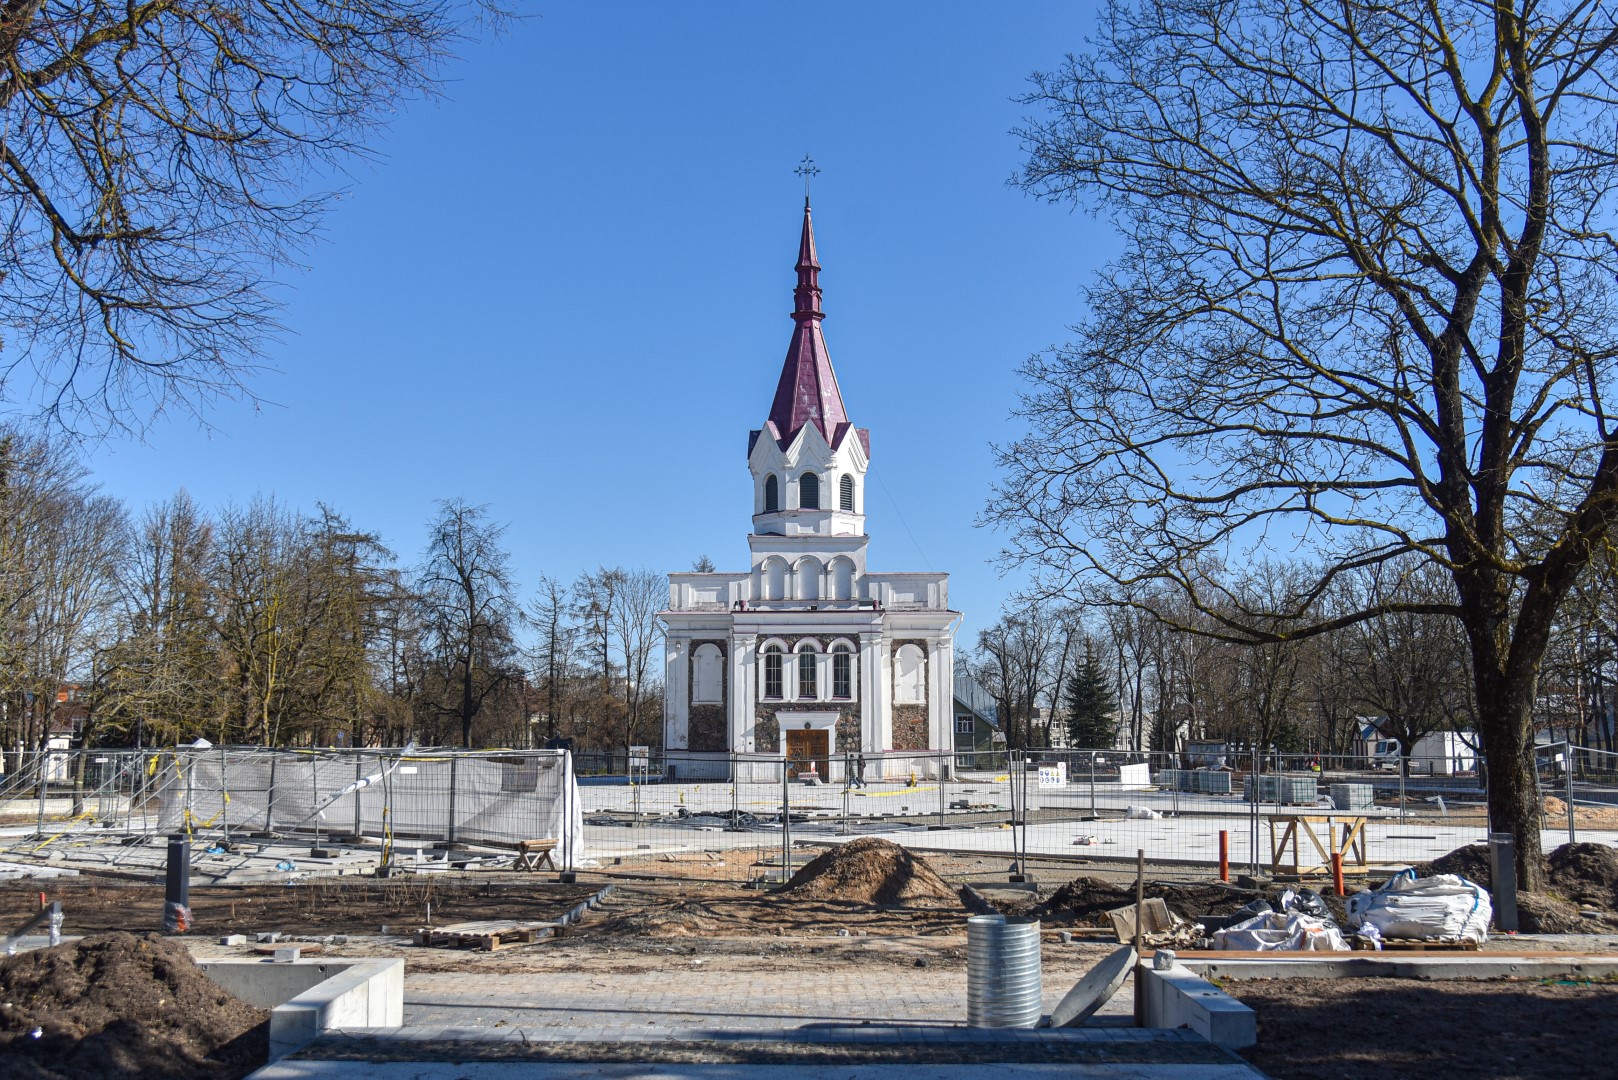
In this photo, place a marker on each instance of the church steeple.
(807, 392)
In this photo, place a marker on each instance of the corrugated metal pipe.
(1004, 987)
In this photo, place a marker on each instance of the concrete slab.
(1093, 991)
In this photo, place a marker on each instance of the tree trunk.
(1506, 730)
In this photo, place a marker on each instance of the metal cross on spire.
(808, 170)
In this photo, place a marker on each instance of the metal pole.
(1401, 785)
(1567, 767)
(269, 796)
(224, 795)
(359, 774)
(1252, 813)
(1093, 784)
(42, 763)
(786, 818)
(449, 828)
(941, 792)
(1140, 904)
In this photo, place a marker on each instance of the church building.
(807, 653)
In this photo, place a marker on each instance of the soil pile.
(679, 918)
(1470, 862)
(870, 871)
(1085, 901)
(122, 1005)
(1587, 873)
(1576, 875)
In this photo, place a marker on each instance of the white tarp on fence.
(494, 798)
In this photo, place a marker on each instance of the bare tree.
(641, 594)
(153, 174)
(467, 595)
(553, 650)
(1364, 306)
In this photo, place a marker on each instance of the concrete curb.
(307, 998)
(1389, 965)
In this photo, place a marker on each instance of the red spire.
(807, 392)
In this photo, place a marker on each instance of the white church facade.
(807, 654)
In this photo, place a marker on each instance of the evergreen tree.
(1091, 708)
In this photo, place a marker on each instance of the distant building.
(806, 654)
(977, 725)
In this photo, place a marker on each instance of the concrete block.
(288, 953)
(233, 939)
(1178, 998)
(268, 937)
(309, 997)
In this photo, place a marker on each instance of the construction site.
(292, 914)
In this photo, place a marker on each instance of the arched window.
(910, 676)
(845, 495)
(806, 675)
(772, 494)
(808, 579)
(809, 492)
(772, 672)
(708, 681)
(842, 578)
(842, 672)
(775, 579)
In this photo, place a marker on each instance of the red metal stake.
(1337, 873)
(1224, 855)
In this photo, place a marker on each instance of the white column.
(941, 705)
(676, 700)
(870, 692)
(743, 690)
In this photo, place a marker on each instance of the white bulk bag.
(1276, 931)
(1444, 907)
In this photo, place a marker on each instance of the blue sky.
(562, 289)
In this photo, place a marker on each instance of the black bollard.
(1503, 880)
(177, 887)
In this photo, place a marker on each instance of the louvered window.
(809, 491)
(845, 497)
(772, 495)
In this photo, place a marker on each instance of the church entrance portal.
(807, 748)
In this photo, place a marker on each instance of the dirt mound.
(1085, 901)
(1583, 872)
(122, 1005)
(1587, 873)
(1470, 862)
(870, 871)
(680, 918)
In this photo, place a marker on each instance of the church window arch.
(773, 658)
(842, 578)
(809, 491)
(845, 494)
(774, 575)
(910, 675)
(808, 673)
(708, 679)
(842, 670)
(808, 584)
(772, 494)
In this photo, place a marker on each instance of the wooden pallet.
(1416, 945)
(486, 935)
